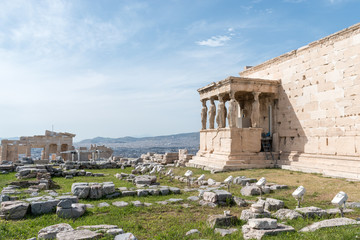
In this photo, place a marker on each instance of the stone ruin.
(298, 111)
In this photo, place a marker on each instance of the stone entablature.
(51, 142)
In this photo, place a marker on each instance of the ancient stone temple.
(303, 107)
(52, 143)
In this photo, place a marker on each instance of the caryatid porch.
(243, 113)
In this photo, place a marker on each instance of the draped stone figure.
(203, 114)
(212, 113)
(220, 117)
(255, 112)
(233, 112)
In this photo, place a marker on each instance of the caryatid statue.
(212, 114)
(233, 111)
(255, 112)
(203, 114)
(220, 117)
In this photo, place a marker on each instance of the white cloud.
(294, 1)
(215, 41)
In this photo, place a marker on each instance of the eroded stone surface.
(221, 221)
(289, 214)
(223, 232)
(50, 232)
(83, 234)
(335, 222)
(251, 233)
(13, 210)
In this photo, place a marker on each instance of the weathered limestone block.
(251, 233)
(311, 212)
(108, 188)
(240, 202)
(335, 222)
(224, 232)
(125, 236)
(250, 190)
(272, 204)
(120, 204)
(210, 197)
(248, 214)
(78, 235)
(223, 196)
(13, 210)
(145, 179)
(262, 223)
(96, 191)
(221, 221)
(81, 190)
(175, 190)
(284, 214)
(43, 207)
(50, 232)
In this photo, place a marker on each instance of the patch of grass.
(172, 221)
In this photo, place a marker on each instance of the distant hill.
(184, 140)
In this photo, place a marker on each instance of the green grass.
(172, 221)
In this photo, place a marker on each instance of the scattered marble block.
(335, 222)
(137, 203)
(43, 207)
(110, 229)
(257, 207)
(272, 204)
(207, 204)
(162, 202)
(244, 180)
(336, 211)
(248, 214)
(120, 204)
(262, 223)
(224, 232)
(287, 214)
(193, 198)
(173, 200)
(311, 212)
(250, 190)
(81, 190)
(103, 204)
(240, 202)
(128, 193)
(125, 236)
(192, 231)
(353, 204)
(78, 235)
(66, 209)
(50, 232)
(221, 221)
(251, 233)
(13, 210)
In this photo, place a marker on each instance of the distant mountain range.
(176, 140)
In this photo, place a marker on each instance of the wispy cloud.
(294, 1)
(215, 41)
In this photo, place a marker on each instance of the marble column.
(212, 113)
(203, 114)
(28, 150)
(221, 112)
(233, 111)
(255, 112)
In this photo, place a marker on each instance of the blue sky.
(113, 68)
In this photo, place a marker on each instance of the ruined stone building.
(305, 103)
(52, 144)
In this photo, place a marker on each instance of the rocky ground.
(152, 201)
